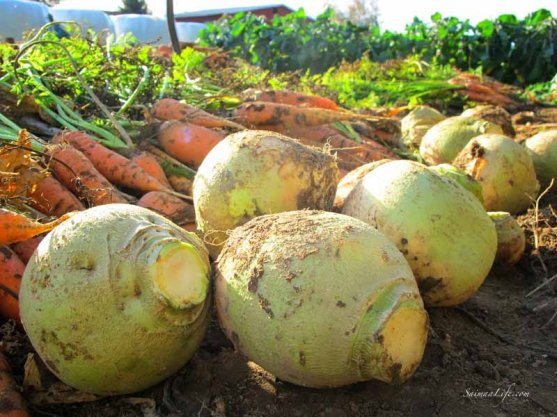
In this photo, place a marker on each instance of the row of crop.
(506, 48)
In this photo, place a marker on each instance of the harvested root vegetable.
(180, 184)
(16, 227)
(504, 169)
(169, 206)
(443, 231)
(543, 150)
(252, 173)
(170, 109)
(188, 143)
(116, 299)
(292, 98)
(258, 113)
(320, 300)
(415, 124)
(151, 165)
(25, 248)
(347, 149)
(466, 181)
(50, 197)
(11, 399)
(442, 143)
(511, 241)
(11, 271)
(349, 181)
(494, 114)
(114, 167)
(79, 175)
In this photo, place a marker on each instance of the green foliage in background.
(510, 50)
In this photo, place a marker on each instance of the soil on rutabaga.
(495, 355)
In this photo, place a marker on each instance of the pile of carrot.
(484, 91)
(81, 173)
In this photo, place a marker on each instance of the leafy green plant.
(506, 48)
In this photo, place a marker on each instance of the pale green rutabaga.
(116, 299)
(511, 241)
(251, 173)
(443, 231)
(505, 171)
(320, 299)
(415, 124)
(442, 143)
(542, 147)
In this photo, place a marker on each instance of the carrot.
(492, 98)
(150, 165)
(25, 248)
(77, 173)
(53, 199)
(188, 143)
(114, 167)
(16, 227)
(386, 132)
(168, 206)
(11, 271)
(170, 109)
(259, 113)
(295, 99)
(366, 152)
(180, 184)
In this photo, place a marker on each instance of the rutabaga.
(542, 147)
(415, 124)
(504, 169)
(251, 173)
(511, 240)
(349, 181)
(466, 181)
(442, 143)
(494, 114)
(320, 299)
(116, 299)
(443, 231)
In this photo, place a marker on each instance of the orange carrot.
(385, 132)
(180, 184)
(295, 99)
(367, 152)
(16, 227)
(170, 109)
(77, 173)
(25, 248)
(11, 401)
(188, 143)
(168, 206)
(11, 271)
(151, 165)
(259, 113)
(53, 199)
(114, 167)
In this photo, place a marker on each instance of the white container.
(87, 19)
(189, 31)
(145, 28)
(20, 16)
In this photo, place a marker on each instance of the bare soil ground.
(496, 355)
